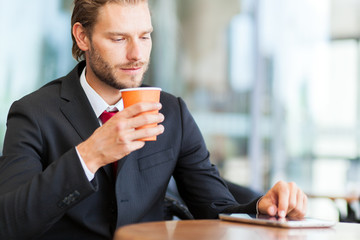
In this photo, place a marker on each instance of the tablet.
(275, 221)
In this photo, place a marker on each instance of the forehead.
(123, 17)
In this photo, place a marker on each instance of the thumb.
(272, 210)
(267, 206)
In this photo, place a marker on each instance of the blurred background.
(273, 84)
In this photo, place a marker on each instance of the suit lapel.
(81, 117)
(77, 109)
(75, 105)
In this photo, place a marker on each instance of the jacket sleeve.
(199, 183)
(34, 193)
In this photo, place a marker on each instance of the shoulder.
(43, 96)
(54, 90)
(168, 98)
(172, 104)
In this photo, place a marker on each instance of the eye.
(146, 36)
(118, 39)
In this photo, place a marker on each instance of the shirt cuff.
(90, 176)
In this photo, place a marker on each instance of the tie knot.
(106, 116)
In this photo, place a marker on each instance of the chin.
(130, 85)
(136, 83)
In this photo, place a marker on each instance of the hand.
(284, 199)
(118, 136)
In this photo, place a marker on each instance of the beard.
(107, 73)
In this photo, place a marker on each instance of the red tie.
(106, 116)
(103, 118)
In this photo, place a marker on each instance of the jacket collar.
(75, 105)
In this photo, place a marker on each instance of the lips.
(131, 69)
(133, 65)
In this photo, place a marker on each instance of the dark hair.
(85, 12)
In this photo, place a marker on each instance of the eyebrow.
(126, 34)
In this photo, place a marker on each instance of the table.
(223, 230)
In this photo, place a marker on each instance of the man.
(56, 176)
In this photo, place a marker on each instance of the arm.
(199, 183)
(31, 208)
(41, 176)
(35, 192)
(205, 192)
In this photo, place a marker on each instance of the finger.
(300, 202)
(303, 209)
(268, 204)
(147, 132)
(133, 146)
(299, 211)
(295, 193)
(305, 200)
(138, 108)
(125, 149)
(283, 198)
(145, 119)
(271, 210)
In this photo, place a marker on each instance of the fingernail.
(161, 128)
(282, 214)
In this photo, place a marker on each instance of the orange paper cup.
(132, 96)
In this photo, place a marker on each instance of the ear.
(80, 36)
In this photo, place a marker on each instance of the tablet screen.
(275, 221)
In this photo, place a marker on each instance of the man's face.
(120, 45)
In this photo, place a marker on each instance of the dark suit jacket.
(44, 192)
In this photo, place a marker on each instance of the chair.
(352, 206)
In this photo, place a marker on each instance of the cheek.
(111, 52)
(114, 57)
(147, 51)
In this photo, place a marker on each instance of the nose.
(134, 51)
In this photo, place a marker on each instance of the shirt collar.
(96, 101)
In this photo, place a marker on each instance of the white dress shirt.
(99, 106)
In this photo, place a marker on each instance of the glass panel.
(273, 84)
(35, 48)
